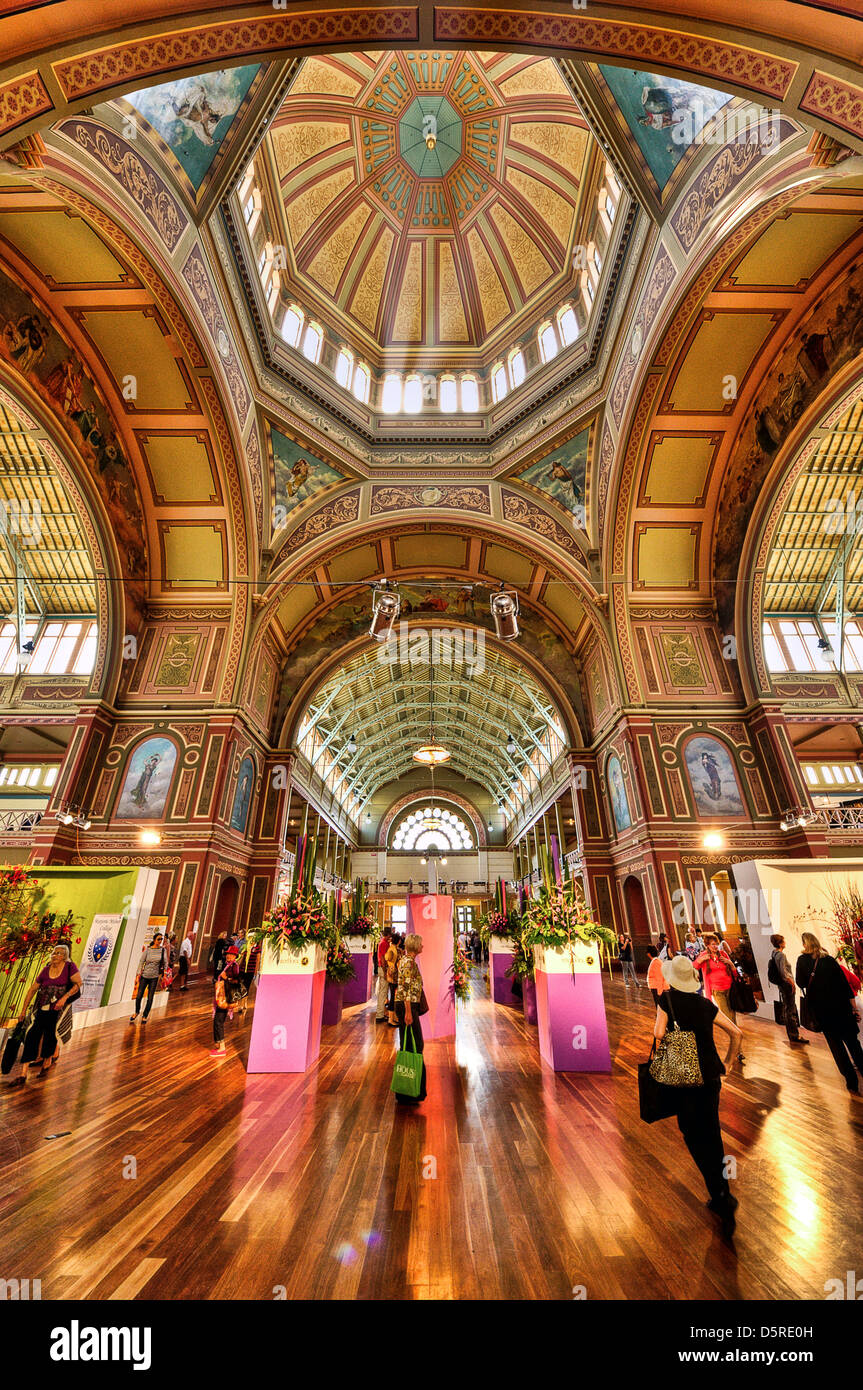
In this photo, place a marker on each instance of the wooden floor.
(319, 1184)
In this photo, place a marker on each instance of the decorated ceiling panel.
(429, 198)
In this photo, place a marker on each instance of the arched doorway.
(637, 920)
(225, 911)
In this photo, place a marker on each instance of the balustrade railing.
(19, 822)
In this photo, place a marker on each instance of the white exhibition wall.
(789, 896)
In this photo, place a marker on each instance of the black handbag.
(423, 1005)
(807, 1015)
(741, 998)
(14, 1043)
(655, 1101)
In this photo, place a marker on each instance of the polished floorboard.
(141, 1168)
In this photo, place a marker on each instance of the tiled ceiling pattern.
(418, 247)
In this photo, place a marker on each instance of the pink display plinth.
(358, 991)
(286, 1024)
(430, 916)
(500, 959)
(573, 1032)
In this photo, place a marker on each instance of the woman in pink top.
(717, 971)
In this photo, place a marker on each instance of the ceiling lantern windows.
(469, 393)
(413, 395)
(362, 381)
(448, 396)
(391, 395)
(313, 341)
(344, 368)
(567, 325)
(292, 325)
(499, 382)
(547, 342)
(517, 368)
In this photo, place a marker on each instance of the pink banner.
(430, 916)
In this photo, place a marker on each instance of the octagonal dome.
(402, 247)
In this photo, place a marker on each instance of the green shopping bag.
(408, 1070)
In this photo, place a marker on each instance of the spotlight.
(385, 609)
(504, 611)
(511, 745)
(65, 817)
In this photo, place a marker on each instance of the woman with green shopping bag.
(409, 1003)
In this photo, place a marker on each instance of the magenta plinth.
(430, 916)
(500, 959)
(289, 1001)
(358, 991)
(573, 1032)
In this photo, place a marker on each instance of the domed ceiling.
(404, 242)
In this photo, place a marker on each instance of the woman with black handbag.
(698, 1103)
(55, 987)
(828, 1006)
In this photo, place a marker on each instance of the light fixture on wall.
(504, 611)
(796, 817)
(385, 609)
(149, 838)
(713, 840)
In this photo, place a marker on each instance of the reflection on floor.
(182, 1177)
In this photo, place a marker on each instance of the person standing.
(627, 962)
(698, 1112)
(391, 965)
(225, 987)
(717, 973)
(220, 954)
(56, 985)
(408, 994)
(694, 944)
(151, 967)
(830, 996)
(186, 959)
(381, 997)
(787, 989)
(656, 981)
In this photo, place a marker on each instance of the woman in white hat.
(698, 1112)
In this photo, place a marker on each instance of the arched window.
(413, 394)
(517, 369)
(567, 325)
(547, 342)
(391, 395)
(499, 382)
(433, 827)
(313, 342)
(344, 367)
(469, 393)
(448, 393)
(292, 325)
(361, 382)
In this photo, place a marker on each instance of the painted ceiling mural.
(429, 198)
(193, 117)
(562, 475)
(297, 474)
(663, 115)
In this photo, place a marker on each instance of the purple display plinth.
(359, 991)
(333, 999)
(501, 984)
(529, 1000)
(286, 1023)
(430, 916)
(573, 1032)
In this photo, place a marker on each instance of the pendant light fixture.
(431, 754)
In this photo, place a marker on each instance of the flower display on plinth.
(558, 918)
(340, 963)
(292, 925)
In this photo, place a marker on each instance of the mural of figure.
(149, 775)
(563, 475)
(299, 474)
(65, 384)
(713, 778)
(714, 782)
(619, 799)
(243, 796)
(193, 109)
(26, 340)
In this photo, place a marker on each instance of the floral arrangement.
(26, 938)
(844, 918)
(299, 919)
(499, 920)
(460, 973)
(522, 964)
(360, 919)
(558, 917)
(340, 964)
